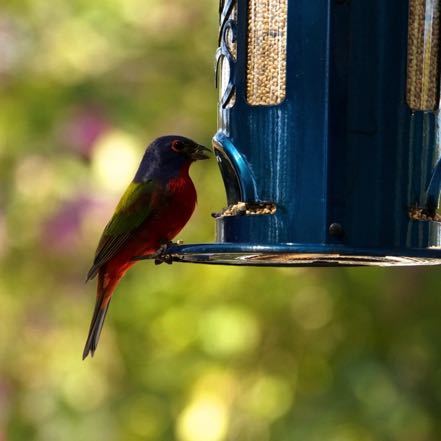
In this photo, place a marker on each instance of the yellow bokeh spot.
(77, 385)
(175, 329)
(204, 419)
(218, 382)
(268, 397)
(115, 160)
(229, 330)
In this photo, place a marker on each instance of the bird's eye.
(177, 146)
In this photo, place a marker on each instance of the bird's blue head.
(168, 156)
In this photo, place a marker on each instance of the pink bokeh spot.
(62, 232)
(81, 131)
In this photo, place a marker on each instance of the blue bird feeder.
(328, 134)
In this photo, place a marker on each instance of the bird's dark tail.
(99, 314)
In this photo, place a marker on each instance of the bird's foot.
(161, 255)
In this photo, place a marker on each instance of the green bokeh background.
(188, 353)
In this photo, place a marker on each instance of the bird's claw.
(168, 259)
(161, 255)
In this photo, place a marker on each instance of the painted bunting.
(152, 211)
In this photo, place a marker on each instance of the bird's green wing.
(132, 210)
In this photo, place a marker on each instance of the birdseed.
(423, 214)
(247, 209)
(423, 54)
(266, 55)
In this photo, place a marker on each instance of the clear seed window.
(266, 56)
(423, 55)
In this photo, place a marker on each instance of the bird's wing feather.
(133, 209)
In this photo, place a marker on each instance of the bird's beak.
(200, 152)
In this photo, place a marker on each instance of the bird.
(154, 208)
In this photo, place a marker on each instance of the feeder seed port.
(423, 214)
(247, 209)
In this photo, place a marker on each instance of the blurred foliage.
(188, 352)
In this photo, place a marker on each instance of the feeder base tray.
(300, 255)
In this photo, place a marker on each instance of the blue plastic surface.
(342, 148)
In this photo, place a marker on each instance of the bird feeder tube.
(328, 134)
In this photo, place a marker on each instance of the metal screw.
(336, 230)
